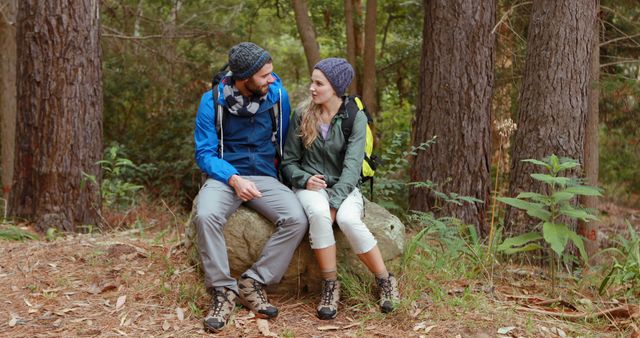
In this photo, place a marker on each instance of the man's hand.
(316, 182)
(244, 188)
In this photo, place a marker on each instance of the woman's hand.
(316, 182)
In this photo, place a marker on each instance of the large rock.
(247, 231)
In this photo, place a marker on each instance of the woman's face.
(320, 88)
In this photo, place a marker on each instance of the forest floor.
(136, 283)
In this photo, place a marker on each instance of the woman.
(324, 170)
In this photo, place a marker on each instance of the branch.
(619, 62)
(506, 14)
(119, 35)
(623, 33)
(630, 37)
(624, 311)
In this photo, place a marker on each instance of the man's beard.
(257, 91)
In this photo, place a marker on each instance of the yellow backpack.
(353, 104)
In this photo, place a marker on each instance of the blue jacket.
(248, 147)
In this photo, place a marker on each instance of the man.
(252, 115)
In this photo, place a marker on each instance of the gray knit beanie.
(246, 58)
(338, 71)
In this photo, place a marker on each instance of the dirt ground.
(132, 284)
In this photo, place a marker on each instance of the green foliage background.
(154, 73)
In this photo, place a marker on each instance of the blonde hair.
(310, 123)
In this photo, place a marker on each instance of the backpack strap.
(276, 121)
(353, 104)
(218, 115)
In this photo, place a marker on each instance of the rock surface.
(246, 233)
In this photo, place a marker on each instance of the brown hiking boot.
(328, 307)
(223, 303)
(389, 295)
(253, 296)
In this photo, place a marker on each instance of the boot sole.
(325, 317)
(245, 303)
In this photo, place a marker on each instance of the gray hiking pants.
(217, 201)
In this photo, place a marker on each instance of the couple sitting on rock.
(239, 145)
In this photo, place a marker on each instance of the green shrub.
(551, 209)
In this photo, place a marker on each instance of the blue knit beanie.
(245, 59)
(338, 71)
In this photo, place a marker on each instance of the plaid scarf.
(238, 104)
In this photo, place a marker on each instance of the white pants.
(348, 217)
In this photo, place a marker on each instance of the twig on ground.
(623, 311)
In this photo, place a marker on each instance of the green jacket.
(341, 169)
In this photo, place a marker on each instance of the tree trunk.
(8, 90)
(59, 128)
(351, 43)
(591, 153)
(359, 37)
(554, 99)
(369, 76)
(456, 85)
(307, 33)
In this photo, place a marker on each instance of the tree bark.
(59, 128)
(8, 90)
(456, 85)
(591, 152)
(554, 99)
(351, 43)
(359, 37)
(307, 33)
(369, 76)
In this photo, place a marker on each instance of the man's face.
(259, 83)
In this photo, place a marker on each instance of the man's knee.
(209, 219)
(296, 219)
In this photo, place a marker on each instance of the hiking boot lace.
(327, 291)
(385, 286)
(220, 297)
(257, 287)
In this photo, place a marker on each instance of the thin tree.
(59, 128)
(351, 42)
(554, 98)
(454, 104)
(307, 33)
(8, 9)
(369, 75)
(591, 153)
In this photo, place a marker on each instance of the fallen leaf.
(180, 313)
(120, 302)
(263, 327)
(123, 319)
(328, 327)
(506, 329)
(419, 326)
(165, 325)
(559, 332)
(429, 328)
(13, 321)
